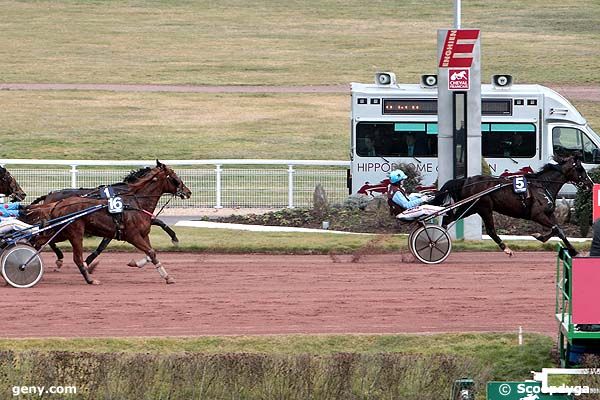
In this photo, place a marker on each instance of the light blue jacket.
(403, 201)
(9, 209)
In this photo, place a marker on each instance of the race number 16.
(115, 205)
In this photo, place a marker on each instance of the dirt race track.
(261, 294)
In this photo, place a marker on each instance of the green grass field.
(272, 42)
(118, 126)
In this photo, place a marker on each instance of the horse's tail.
(451, 188)
(35, 213)
(39, 200)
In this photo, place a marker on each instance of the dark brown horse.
(10, 187)
(132, 225)
(537, 204)
(118, 189)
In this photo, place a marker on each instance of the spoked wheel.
(431, 244)
(21, 266)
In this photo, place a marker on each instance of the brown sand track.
(279, 294)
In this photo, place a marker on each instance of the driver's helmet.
(397, 176)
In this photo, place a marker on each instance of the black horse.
(118, 189)
(537, 204)
(9, 186)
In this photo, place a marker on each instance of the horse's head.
(575, 172)
(173, 183)
(9, 186)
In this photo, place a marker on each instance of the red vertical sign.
(596, 202)
(458, 48)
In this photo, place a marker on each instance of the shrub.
(583, 204)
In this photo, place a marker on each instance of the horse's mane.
(135, 175)
(546, 168)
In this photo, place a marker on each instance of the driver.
(408, 207)
(8, 218)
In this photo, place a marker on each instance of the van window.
(506, 140)
(396, 139)
(567, 140)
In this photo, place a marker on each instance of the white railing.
(214, 183)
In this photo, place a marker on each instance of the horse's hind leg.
(59, 255)
(143, 244)
(91, 261)
(488, 220)
(76, 240)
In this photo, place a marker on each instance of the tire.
(410, 238)
(431, 244)
(14, 272)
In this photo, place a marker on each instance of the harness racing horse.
(537, 204)
(96, 193)
(10, 187)
(133, 225)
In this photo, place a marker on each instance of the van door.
(570, 139)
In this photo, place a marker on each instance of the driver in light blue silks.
(414, 204)
(399, 195)
(8, 218)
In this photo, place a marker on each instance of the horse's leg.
(166, 228)
(76, 239)
(549, 221)
(59, 254)
(91, 261)
(487, 217)
(143, 244)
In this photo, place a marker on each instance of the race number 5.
(519, 184)
(115, 205)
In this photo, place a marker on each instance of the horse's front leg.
(549, 221)
(166, 228)
(143, 244)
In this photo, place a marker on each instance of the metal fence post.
(74, 176)
(290, 186)
(218, 171)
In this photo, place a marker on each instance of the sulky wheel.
(410, 238)
(21, 266)
(431, 244)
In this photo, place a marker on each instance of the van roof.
(556, 107)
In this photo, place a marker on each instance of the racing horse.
(131, 225)
(537, 204)
(118, 189)
(9, 186)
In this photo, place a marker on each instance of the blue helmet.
(397, 176)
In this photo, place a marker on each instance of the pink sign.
(595, 202)
(586, 297)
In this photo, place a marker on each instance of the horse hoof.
(94, 282)
(93, 266)
(175, 242)
(59, 264)
(170, 280)
(132, 264)
(509, 252)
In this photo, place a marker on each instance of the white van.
(523, 126)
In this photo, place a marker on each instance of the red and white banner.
(458, 48)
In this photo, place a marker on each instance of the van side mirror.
(596, 156)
